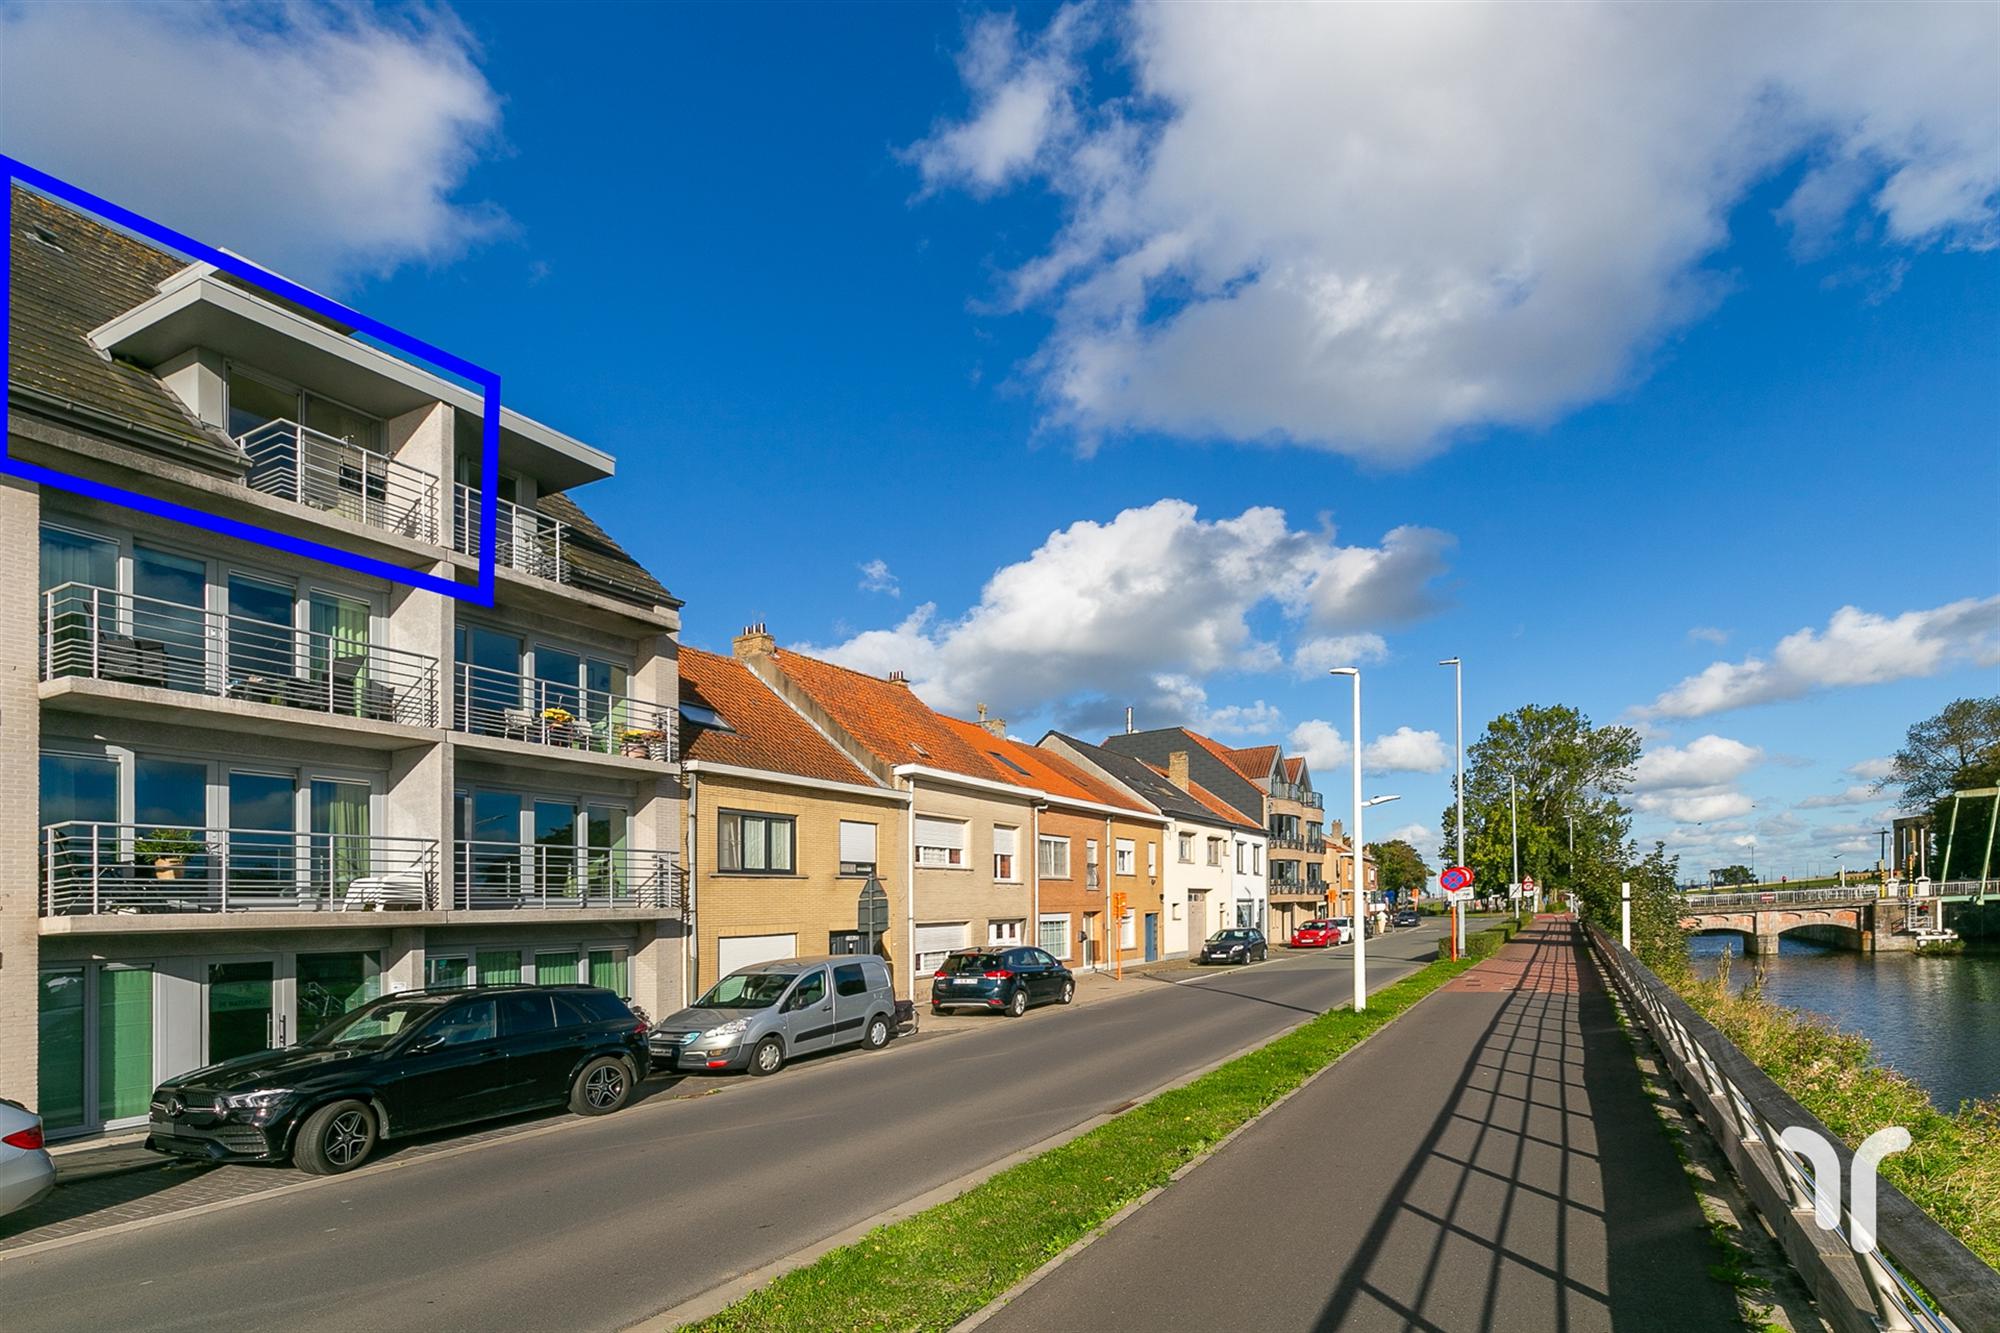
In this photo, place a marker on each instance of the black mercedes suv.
(406, 1064)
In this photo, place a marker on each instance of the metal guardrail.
(1287, 843)
(523, 539)
(1853, 893)
(1881, 1287)
(491, 702)
(309, 467)
(93, 868)
(105, 635)
(496, 875)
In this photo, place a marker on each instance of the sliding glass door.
(263, 840)
(340, 836)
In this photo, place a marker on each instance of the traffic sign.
(1458, 895)
(1456, 877)
(1528, 883)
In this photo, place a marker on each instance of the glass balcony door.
(242, 1010)
(339, 665)
(263, 646)
(556, 849)
(165, 643)
(263, 840)
(340, 836)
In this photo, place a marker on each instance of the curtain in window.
(607, 969)
(500, 967)
(729, 855)
(340, 828)
(124, 1042)
(555, 969)
(344, 624)
(60, 1046)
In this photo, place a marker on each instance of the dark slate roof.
(86, 273)
(1141, 778)
(80, 276)
(1206, 764)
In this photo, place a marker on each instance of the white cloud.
(1406, 750)
(1708, 634)
(1142, 609)
(1706, 762)
(1420, 836)
(1857, 795)
(1694, 805)
(1367, 226)
(322, 142)
(1326, 751)
(1258, 719)
(876, 577)
(1856, 648)
(1315, 657)
(1872, 770)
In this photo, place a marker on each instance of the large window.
(1006, 851)
(940, 842)
(1052, 933)
(857, 848)
(755, 844)
(1052, 857)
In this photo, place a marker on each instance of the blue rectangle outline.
(488, 381)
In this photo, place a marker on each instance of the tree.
(1938, 752)
(1657, 910)
(1735, 875)
(1569, 776)
(1399, 868)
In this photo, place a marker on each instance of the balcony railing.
(523, 538)
(507, 875)
(105, 635)
(1287, 843)
(309, 467)
(1292, 791)
(95, 868)
(506, 704)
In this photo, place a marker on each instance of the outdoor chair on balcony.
(132, 660)
(407, 890)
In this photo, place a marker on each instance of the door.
(243, 1015)
(1152, 936)
(539, 1053)
(1035, 976)
(168, 623)
(340, 838)
(79, 846)
(605, 878)
(809, 1017)
(851, 999)
(263, 646)
(453, 1071)
(490, 685)
(556, 861)
(261, 866)
(492, 854)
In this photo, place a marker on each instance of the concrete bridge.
(1857, 917)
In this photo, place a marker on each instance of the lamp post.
(1362, 889)
(1514, 826)
(1360, 934)
(1458, 917)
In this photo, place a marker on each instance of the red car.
(1317, 935)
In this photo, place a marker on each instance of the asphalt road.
(609, 1221)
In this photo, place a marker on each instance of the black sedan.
(1006, 980)
(1406, 918)
(406, 1064)
(1241, 945)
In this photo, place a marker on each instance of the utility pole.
(1458, 678)
(1514, 825)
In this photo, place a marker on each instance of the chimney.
(898, 678)
(1128, 719)
(1177, 769)
(754, 641)
(993, 726)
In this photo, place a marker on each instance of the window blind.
(857, 842)
(940, 833)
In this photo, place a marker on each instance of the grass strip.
(934, 1269)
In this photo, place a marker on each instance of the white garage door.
(737, 951)
(935, 941)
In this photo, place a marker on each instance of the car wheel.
(337, 1137)
(1068, 993)
(878, 1033)
(936, 1010)
(768, 1058)
(601, 1087)
(1019, 1004)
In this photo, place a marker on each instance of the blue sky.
(1732, 361)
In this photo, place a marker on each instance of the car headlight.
(722, 1032)
(260, 1100)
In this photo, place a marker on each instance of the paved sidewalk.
(1490, 1162)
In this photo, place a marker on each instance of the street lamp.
(1360, 933)
(1361, 889)
(1458, 677)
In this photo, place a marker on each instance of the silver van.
(759, 1017)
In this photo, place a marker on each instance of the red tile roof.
(885, 717)
(1254, 763)
(1043, 770)
(1294, 763)
(769, 734)
(1216, 805)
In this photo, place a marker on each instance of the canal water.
(1935, 1020)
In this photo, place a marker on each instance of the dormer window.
(255, 401)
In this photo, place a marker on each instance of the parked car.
(1316, 935)
(1405, 919)
(406, 1064)
(1010, 980)
(1345, 925)
(1238, 945)
(26, 1170)
(759, 1017)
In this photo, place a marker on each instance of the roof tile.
(769, 733)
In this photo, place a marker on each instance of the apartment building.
(1294, 818)
(1199, 884)
(789, 841)
(244, 789)
(1093, 843)
(970, 832)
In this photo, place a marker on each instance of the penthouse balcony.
(1289, 843)
(500, 876)
(1292, 791)
(321, 471)
(531, 542)
(492, 702)
(94, 868)
(99, 634)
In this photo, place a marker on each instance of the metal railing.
(508, 875)
(312, 468)
(490, 702)
(105, 635)
(1293, 791)
(1853, 893)
(523, 539)
(1880, 1286)
(1288, 843)
(94, 868)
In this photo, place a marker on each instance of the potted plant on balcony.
(639, 742)
(556, 723)
(167, 849)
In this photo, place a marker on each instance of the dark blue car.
(1009, 980)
